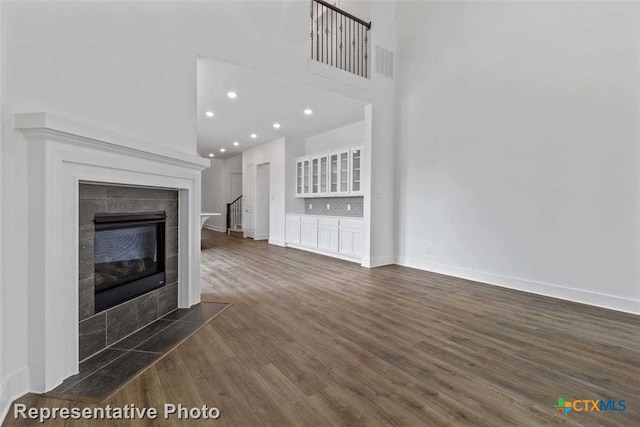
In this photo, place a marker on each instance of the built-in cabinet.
(309, 232)
(329, 234)
(337, 173)
(351, 238)
(292, 229)
(333, 236)
(355, 169)
(306, 176)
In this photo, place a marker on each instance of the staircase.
(234, 218)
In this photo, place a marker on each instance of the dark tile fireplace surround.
(100, 329)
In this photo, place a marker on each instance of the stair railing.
(339, 39)
(234, 214)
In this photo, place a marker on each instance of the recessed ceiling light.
(232, 95)
(236, 143)
(211, 154)
(209, 113)
(222, 150)
(254, 136)
(276, 125)
(308, 111)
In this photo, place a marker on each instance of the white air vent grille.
(384, 61)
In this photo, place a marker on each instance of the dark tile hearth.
(103, 373)
(137, 338)
(169, 337)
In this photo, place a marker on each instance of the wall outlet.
(328, 207)
(310, 206)
(348, 207)
(428, 250)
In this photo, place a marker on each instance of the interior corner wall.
(518, 155)
(380, 156)
(274, 153)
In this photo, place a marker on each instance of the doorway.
(263, 202)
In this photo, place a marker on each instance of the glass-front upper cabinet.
(356, 170)
(324, 174)
(315, 175)
(344, 171)
(306, 173)
(333, 173)
(339, 172)
(299, 178)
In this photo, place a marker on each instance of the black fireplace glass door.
(127, 254)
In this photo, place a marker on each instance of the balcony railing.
(339, 39)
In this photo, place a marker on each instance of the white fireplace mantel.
(62, 153)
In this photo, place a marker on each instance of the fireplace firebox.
(129, 256)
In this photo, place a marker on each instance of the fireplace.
(129, 256)
(63, 328)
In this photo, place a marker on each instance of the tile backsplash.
(338, 206)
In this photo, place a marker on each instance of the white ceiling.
(262, 100)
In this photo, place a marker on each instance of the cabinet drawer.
(329, 222)
(310, 220)
(293, 219)
(352, 223)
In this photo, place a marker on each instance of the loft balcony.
(339, 39)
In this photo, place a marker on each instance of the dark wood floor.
(316, 341)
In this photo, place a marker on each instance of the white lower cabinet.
(309, 231)
(351, 242)
(292, 230)
(328, 234)
(351, 235)
(333, 236)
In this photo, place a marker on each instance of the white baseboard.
(329, 254)
(277, 242)
(260, 237)
(215, 228)
(14, 386)
(612, 302)
(378, 261)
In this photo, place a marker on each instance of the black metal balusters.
(341, 39)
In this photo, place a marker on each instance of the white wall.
(518, 153)
(272, 152)
(358, 8)
(341, 137)
(216, 189)
(213, 194)
(231, 165)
